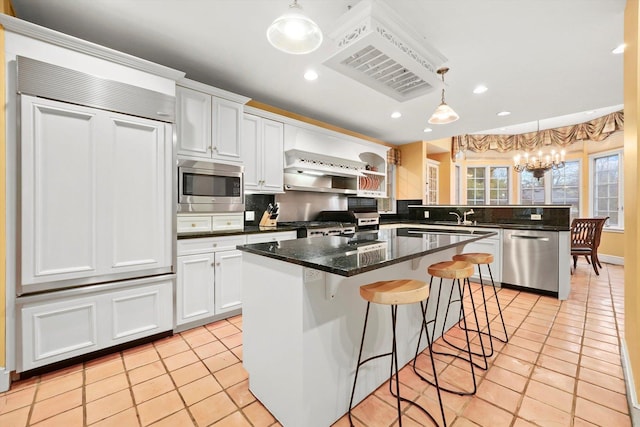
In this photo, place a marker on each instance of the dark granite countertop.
(249, 229)
(481, 225)
(366, 250)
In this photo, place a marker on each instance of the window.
(388, 204)
(488, 183)
(531, 189)
(606, 187)
(565, 187)
(499, 186)
(475, 186)
(433, 172)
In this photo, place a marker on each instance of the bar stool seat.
(479, 258)
(394, 293)
(474, 257)
(455, 270)
(451, 270)
(390, 292)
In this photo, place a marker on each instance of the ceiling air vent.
(377, 49)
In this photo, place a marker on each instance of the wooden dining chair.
(585, 239)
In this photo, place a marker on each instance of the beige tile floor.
(561, 367)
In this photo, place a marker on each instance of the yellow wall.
(631, 165)
(445, 188)
(410, 174)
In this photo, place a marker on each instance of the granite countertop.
(483, 225)
(366, 250)
(248, 229)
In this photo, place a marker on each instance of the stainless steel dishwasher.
(530, 259)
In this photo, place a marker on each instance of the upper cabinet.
(209, 126)
(262, 154)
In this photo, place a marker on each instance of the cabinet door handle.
(210, 148)
(213, 264)
(215, 244)
(217, 264)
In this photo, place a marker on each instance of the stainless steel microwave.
(210, 187)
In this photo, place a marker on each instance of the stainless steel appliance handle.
(520, 236)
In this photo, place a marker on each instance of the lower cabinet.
(209, 282)
(493, 246)
(79, 322)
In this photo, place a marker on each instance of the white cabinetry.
(262, 154)
(95, 193)
(271, 237)
(208, 126)
(71, 324)
(209, 277)
(209, 280)
(491, 245)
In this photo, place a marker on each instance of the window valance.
(594, 130)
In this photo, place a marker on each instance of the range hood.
(300, 181)
(316, 164)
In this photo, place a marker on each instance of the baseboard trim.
(632, 397)
(611, 259)
(5, 379)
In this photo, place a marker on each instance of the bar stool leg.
(394, 361)
(486, 315)
(484, 366)
(495, 295)
(432, 351)
(355, 379)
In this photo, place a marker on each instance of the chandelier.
(540, 164)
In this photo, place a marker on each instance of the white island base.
(302, 330)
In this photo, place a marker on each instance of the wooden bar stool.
(454, 270)
(480, 258)
(394, 293)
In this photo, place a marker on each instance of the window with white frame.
(488, 185)
(607, 187)
(532, 191)
(565, 186)
(558, 187)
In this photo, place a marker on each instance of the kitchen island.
(303, 315)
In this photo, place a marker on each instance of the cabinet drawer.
(223, 222)
(194, 223)
(271, 237)
(209, 244)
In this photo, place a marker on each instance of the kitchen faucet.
(457, 216)
(465, 222)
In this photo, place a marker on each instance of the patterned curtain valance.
(394, 156)
(595, 130)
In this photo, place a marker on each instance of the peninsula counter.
(303, 316)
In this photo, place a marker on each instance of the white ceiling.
(540, 59)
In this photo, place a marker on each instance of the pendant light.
(294, 32)
(443, 114)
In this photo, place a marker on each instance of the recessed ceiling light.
(396, 115)
(310, 75)
(504, 113)
(503, 128)
(590, 112)
(480, 89)
(619, 49)
(428, 130)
